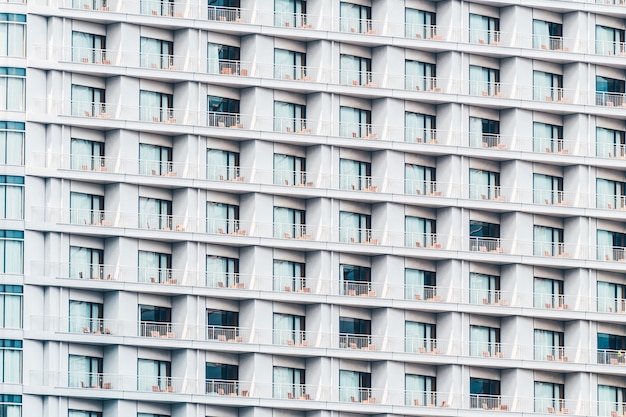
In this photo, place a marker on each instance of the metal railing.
(357, 341)
(486, 244)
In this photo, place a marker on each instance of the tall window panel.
(290, 13)
(419, 284)
(420, 337)
(86, 209)
(354, 386)
(547, 87)
(86, 263)
(10, 361)
(355, 70)
(155, 106)
(12, 143)
(289, 117)
(289, 383)
(222, 272)
(419, 232)
(420, 390)
(87, 155)
(156, 53)
(419, 128)
(484, 185)
(222, 165)
(549, 397)
(610, 194)
(611, 297)
(12, 251)
(12, 35)
(84, 371)
(484, 29)
(154, 267)
(355, 123)
(549, 345)
(547, 189)
(222, 218)
(355, 18)
(223, 112)
(484, 81)
(610, 143)
(354, 227)
(420, 180)
(156, 7)
(87, 101)
(11, 306)
(548, 241)
(11, 197)
(289, 65)
(88, 48)
(609, 41)
(289, 223)
(289, 329)
(419, 24)
(354, 175)
(85, 317)
(547, 35)
(12, 89)
(611, 245)
(155, 159)
(611, 400)
(154, 375)
(289, 276)
(10, 405)
(548, 293)
(547, 138)
(223, 59)
(420, 76)
(289, 170)
(155, 213)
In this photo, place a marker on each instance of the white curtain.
(12, 89)
(541, 34)
(12, 201)
(605, 245)
(12, 254)
(543, 241)
(544, 292)
(10, 311)
(11, 365)
(349, 384)
(12, 147)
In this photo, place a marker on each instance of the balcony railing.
(490, 349)
(611, 305)
(357, 341)
(486, 244)
(549, 43)
(489, 297)
(486, 192)
(297, 392)
(617, 48)
(229, 67)
(484, 37)
(291, 337)
(357, 288)
(422, 292)
(227, 387)
(291, 125)
(159, 330)
(359, 395)
(426, 346)
(553, 353)
(359, 130)
(610, 99)
(611, 357)
(490, 402)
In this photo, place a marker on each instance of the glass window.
(223, 218)
(355, 280)
(420, 390)
(419, 232)
(354, 175)
(548, 293)
(547, 35)
(484, 185)
(11, 197)
(86, 263)
(155, 159)
(289, 170)
(484, 81)
(611, 297)
(12, 89)
(87, 155)
(547, 189)
(355, 18)
(12, 251)
(548, 241)
(354, 386)
(155, 213)
(290, 13)
(289, 383)
(420, 337)
(223, 325)
(222, 165)
(549, 345)
(610, 400)
(549, 397)
(86, 208)
(12, 143)
(354, 227)
(156, 53)
(86, 317)
(610, 194)
(420, 285)
(222, 272)
(289, 117)
(611, 349)
(484, 29)
(87, 101)
(84, 372)
(10, 361)
(222, 379)
(419, 24)
(547, 138)
(154, 376)
(289, 65)
(485, 341)
(89, 48)
(10, 405)
(481, 386)
(223, 112)
(155, 314)
(610, 143)
(484, 133)
(355, 123)
(420, 180)
(611, 245)
(609, 41)
(420, 76)
(11, 307)
(223, 59)
(289, 329)
(155, 106)
(419, 128)
(12, 34)
(154, 267)
(289, 223)
(355, 70)
(547, 87)
(609, 91)
(484, 289)
(289, 276)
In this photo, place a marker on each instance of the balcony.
(299, 338)
(611, 305)
(291, 125)
(494, 350)
(225, 120)
(423, 292)
(486, 244)
(427, 346)
(298, 392)
(363, 236)
(429, 399)
(361, 183)
(485, 37)
(93, 56)
(610, 99)
(357, 341)
(358, 288)
(360, 130)
(359, 395)
(550, 43)
(490, 297)
(491, 402)
(553, 249)
(611, 357)
(487, 192)
(229, 14)
(611, 202)
(554, 94)
(357, 25)
(558, 301)
(424, 240)
(554, 197)
(612, 253)
(227, 387)
(301, 73)
(163, 62)
(230, 67)
(616, 48)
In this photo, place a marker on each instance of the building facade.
(312, 208)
